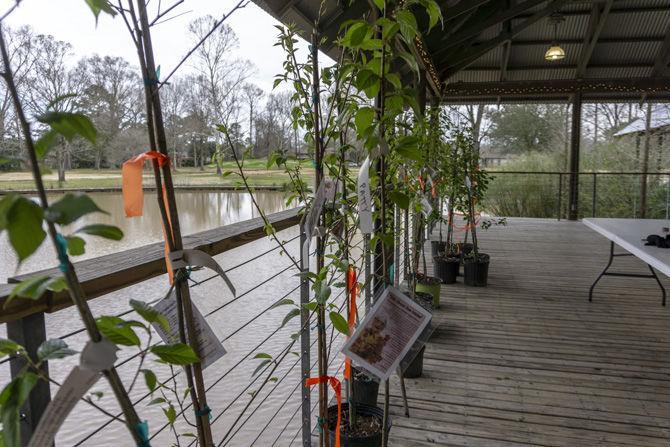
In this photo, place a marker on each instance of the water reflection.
(198, 211)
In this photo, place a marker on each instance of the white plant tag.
(426, 207)
(95, 358)
(326, 189)
(364, 198)
(210, 348)
(197, 258)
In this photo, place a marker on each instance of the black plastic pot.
(346, 440)
(446, 268)
(424, 300)
(415, 368)
(366, 389)
(476, 271)
(437, 247)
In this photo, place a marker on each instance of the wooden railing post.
(30, 332)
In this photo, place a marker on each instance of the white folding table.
(631, 234)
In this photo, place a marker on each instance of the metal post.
(667, 197)
(560, 196)
(368, 261)
(573, 198)
(305, 346)
(406, 230)
(30, 332)
(593, 204)
(396, 244)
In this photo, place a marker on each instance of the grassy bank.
(256, 171)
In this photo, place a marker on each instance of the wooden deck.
(529, 361)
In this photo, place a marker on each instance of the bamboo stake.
(74, 287)
(186, 321)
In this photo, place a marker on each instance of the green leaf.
(70, 125)
(408, 147)
(400, 199)
(71, 207)
(158, 400)
(408, 26)
(289, 316)
(323, 294)
(262, 355)
(170, 414)
(98, 6)
(75, 245)
(149, 379)
(339, 323)
(53, 349)
(260, 366)
(8, 347)
(356, 34)
(118, 331)
(22, 218)
(434, 13)
(284, 302)
(363, 119)
(101, 230)
(45, 143)
(175, 354)
(12, 398)
(33, 288)
(410, 60)
(380, 4)
(150, 314)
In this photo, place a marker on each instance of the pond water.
(229, 385)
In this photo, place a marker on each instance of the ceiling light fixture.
(555, 52)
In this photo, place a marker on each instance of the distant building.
(490, 158)
(659, 128)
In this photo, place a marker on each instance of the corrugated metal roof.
(630, 41)
(660, 117)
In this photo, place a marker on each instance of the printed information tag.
(210, 348)
(426, 207)
(387, 333)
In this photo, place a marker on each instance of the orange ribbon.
(133, 194)
(337, 387)
(352, 284)
(422, 183)
(131, 181)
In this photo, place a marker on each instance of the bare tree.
(252, 95)
(220, 74)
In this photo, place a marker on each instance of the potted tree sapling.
(475, 263)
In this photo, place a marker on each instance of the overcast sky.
(72, 21)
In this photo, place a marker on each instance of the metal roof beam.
(558, 67)
(508, 46)
(602, 40)
(475, 29)
(596, 25)
(470, 55)
(663, 56)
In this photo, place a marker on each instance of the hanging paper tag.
(468, 183)
(196, 258)
(364, 198)
(426, 207)
(210, 348)
(95, 358)
(387, 333)
(326, 189)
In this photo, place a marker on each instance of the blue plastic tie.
(143, 431)
(392, 272)
(61, 248)
(205, 411)
(321, 422)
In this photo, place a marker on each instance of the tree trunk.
(60, 161)
(98, 159)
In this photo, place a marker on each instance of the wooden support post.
(30, 332)
(645, 163)
(573, 197)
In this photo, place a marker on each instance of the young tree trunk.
(98, 159)
(60, 161)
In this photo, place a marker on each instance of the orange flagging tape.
(337, 387)
(133, 194)
(352, 284)
(131, 181)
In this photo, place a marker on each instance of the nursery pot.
(424, 300)
(446, 268)
(366, 389)
(476, 271)
(415, 368)
(367, 435)
(437, 247)
(430, 285)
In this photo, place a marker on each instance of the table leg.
(609, 263)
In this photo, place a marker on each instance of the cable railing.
(546, 194)
(271, 389)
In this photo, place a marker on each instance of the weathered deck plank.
(529, 361)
